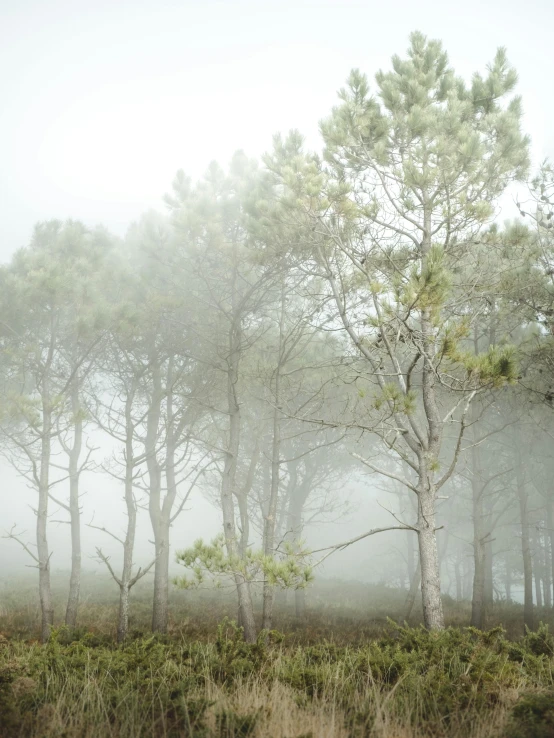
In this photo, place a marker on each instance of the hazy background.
(101, 103)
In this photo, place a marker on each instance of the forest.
(376, 315)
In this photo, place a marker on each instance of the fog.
(326, 356)
(101, 105)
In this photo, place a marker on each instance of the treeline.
(294, 323)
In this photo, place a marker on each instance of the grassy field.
(344, 670)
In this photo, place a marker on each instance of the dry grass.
(335, 674)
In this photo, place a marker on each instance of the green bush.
(163, 686)
(532, 717)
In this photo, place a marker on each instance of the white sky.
(101, 103)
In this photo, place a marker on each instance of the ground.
(350, 668)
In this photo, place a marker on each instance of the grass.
(344, 671)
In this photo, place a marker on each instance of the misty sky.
(101, 103)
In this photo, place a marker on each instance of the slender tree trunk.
(159, 525)
(468, 578)
(545, 571)
(550, 524)
(488, 590)
(545, 565)
(75, 511)
(525, 542)
(242, 500)
(131, 510)
(271, 518)
(246, 609)
(160, 608)
(479, 598)
(458, 575)
(294, 524)
(478, 605)
(537, 568)
(414, 588)
(43, 554)
(162, 522)
(508, 582)
(228, 485)
(538, 593)
(127, 570)
(410, 558)
(298, 494)
(161, 511)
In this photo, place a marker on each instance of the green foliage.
(429, 285)
(539, 642)
(532, 717)
(495, 367)
(289, 571)
(203, 680)
(391, 396)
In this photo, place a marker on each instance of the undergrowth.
(407, 682)
(332, 675)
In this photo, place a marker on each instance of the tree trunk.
(433, 617)
(414, 588)
(537, 568)
(271, 518)
(298, 494)
(130, 505)
(538, 593)
(43, 554)
(545, 571)
(160, 526)
(550, 524)
(228, 485)
(458, 576)
(525, 543)
(123, 616)
(410, 558)
(75, 512)
(508, 581)
(467, 578)
(480, 534)
(160, 607)
(546, 577)
(478, 598)
(488, 590)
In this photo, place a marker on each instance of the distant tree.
(217, 249)
(52, 324)
(174, 390)
(117, 404)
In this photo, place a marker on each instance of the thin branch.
(385, 473)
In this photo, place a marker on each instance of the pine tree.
(391, 215)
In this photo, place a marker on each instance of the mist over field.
(276, 370)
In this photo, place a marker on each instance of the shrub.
(532, 717)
